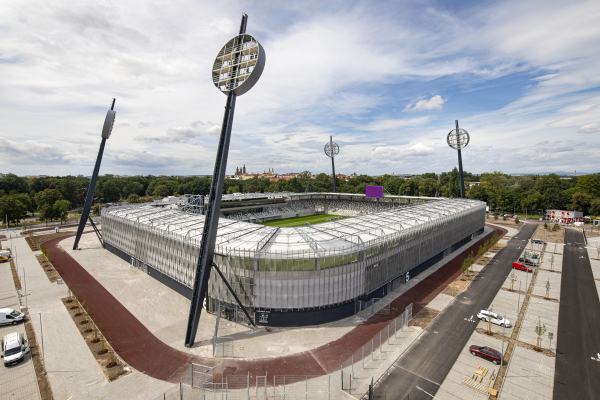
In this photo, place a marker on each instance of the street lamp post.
(236, 69)
(458, 139)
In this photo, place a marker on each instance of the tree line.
(53, 197)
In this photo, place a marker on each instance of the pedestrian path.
(18, 381)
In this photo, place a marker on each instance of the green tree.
(233, 189)
(45, 201)
(13, 182)
(160, 191)
(427, 187)
(595, 207)
(133, 198)
(589, 184)
(61, 209)
(133, 188)
(580, 202)
(12, 209)
(111, 191)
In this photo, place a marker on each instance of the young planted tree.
(504, 218)
(513, 278)
(552, 262)
(548, 289)
(464, 267)
(481, 252)
(517, 220)
(470, 260)
(495, 216)
(540, 329)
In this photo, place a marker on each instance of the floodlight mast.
(460, 169)
(457, 139)
(332, 150)
(237, 67)
(85, 213)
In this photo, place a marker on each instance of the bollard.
(372, 349)
(395, 329)
(352, 360)
(363, 357)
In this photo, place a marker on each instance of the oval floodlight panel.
(238, 65)
(332, 149)
(458, 140)
(109, 121)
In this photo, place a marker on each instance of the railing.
(368, 350)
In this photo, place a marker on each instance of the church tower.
(244, 170)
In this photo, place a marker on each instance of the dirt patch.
(48, 268)
(40, 239)
(2, 236)
(509, 222)
(456, 287)
(550, 270)
(32, 244)
(13, 268)
(424, 317)
(112, 366)
(548, 235)
(37, 358)
(544, 298)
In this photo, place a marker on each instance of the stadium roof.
(316, 240)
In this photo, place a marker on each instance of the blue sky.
(387, 80)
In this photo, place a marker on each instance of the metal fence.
(367, 352)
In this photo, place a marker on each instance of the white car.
(14, 348)
(486, 315)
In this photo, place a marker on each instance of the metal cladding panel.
(309, 268)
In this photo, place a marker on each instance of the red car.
(521, 266)
(486, 352)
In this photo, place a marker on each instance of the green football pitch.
(299, 221)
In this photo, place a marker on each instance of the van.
(14, 348)
(10, 316)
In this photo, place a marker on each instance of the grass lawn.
(299, 221)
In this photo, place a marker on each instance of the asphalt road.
(577, 374)
(427, 362)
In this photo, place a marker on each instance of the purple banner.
(374, 191)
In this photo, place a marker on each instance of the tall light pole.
(332, 150)
(85, 213)
(236, 69)
(458, 139)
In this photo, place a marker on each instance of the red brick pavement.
(147, 354)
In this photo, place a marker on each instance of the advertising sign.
(374, 191)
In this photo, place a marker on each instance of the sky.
(386, 79)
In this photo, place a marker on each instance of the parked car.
(5, 253)
(14, 348)
(521, 266)
(487, 315)
(527, 261)
(538, 241)
(486, 352)
(10, 316)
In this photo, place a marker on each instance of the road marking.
(596, 358)
(470, 319)
(422, 377)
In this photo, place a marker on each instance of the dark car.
(527, 261)
(521, 266)
(538, 241)
(487, 353)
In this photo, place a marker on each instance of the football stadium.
(294, 275)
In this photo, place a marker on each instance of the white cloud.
(396, 153)
(434, 103)
(214, 131)
(391, 124)
(589, 128)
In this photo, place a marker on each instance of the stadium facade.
(304, 275)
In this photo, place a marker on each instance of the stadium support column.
(460, 169)
(85, 213)
(211, 222)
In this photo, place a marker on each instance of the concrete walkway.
(72, 369)
(17, 381)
